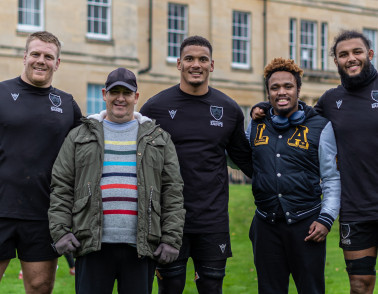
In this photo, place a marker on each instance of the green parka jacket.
(76, 202)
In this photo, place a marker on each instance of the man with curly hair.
(352, 107)
(293, 151)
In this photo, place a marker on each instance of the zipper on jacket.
(150, 211)
(89, 189)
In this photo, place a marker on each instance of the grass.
(241, 275)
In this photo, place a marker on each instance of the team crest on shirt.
(217, 113)
(338, 103)
(374, 96)
(56, 101)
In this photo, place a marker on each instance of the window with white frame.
(99, 19)
(308, 44)
(324, 46)
(293, 39)
(241, 39)
(95, 103)
(372, 36)
(177, 29)
(30, 15)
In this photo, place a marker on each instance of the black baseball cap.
(121, 77)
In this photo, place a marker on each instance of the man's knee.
(171, 280)
(40, 286)
(361, 274)
(209, 279)
(39, 277)
(361, 266)
(210, 272)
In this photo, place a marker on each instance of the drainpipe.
(265, 43)
(148, 68)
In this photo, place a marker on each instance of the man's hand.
(258, 113)
(317, 232)
(67, 244)
(166, 253)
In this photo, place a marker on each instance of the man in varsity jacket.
(116, 198)
(294, 161)
(352, 108)
(35, 117)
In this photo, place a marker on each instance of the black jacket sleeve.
(264, 105)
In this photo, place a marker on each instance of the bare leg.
(3, 267)
(361, 284)
(39, 277)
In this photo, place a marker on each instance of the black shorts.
(356, 236)
(30, 238)
(205, 246)
(206, 249)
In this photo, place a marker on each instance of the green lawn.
(241, 275)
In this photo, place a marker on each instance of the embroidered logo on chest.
(338, 103)
(217, 113)
(374, 96)
(56, 101)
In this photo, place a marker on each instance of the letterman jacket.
(293, 167)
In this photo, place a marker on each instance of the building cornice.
(331, 6)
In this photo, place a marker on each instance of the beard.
(353, 82)
(285, 111)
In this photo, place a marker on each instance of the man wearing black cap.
(116, 198)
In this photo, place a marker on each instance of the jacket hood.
(101, 116)
(309, 111)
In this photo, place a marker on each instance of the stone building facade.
(101, 35)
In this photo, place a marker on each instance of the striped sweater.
(119, 183)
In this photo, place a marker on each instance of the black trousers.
(280, 250)
(97, 271)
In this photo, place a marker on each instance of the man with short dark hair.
(34, 120)
(204, 123)
(294, 163)
(116, 199)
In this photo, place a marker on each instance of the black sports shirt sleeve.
(319, 105)
(239, 149)
(77, 113)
